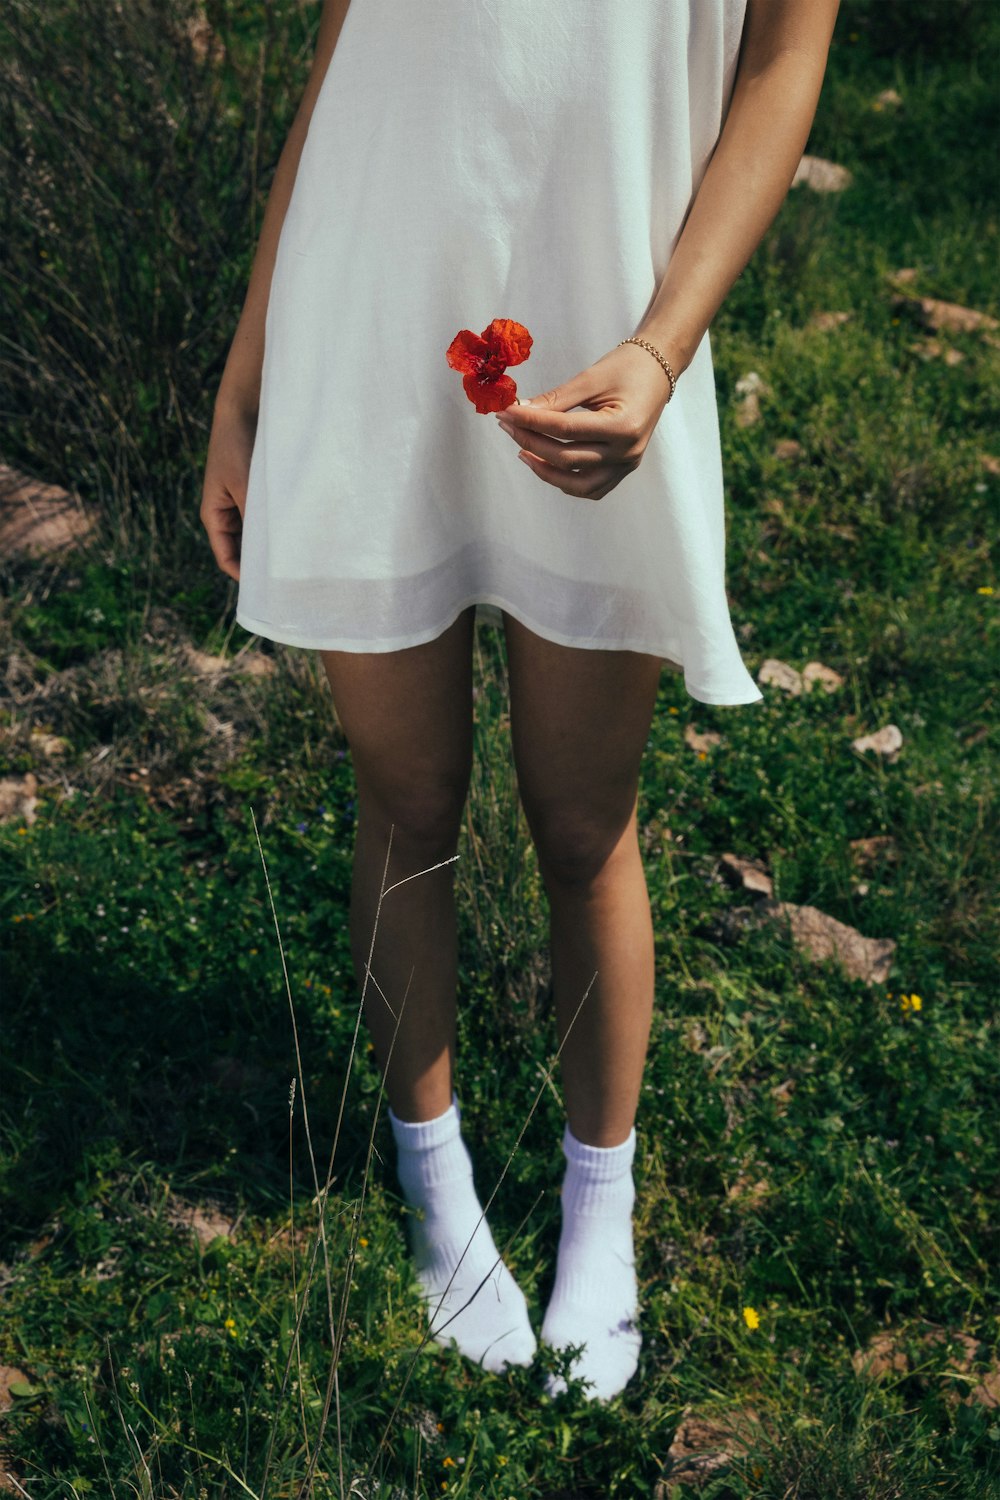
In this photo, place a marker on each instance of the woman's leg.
(579, 724)
(407, 716)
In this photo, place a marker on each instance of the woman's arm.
(779, 75)
(587, 452)
(240, 384)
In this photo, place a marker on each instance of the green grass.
(809, 1147)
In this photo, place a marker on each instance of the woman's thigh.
(407, 717)
(580, 721)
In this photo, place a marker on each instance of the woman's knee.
(423, 813)
(575, 843)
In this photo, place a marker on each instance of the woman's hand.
(586, 453)
(224, 490)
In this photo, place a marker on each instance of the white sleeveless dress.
(469, 160)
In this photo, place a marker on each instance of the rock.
(206, 1223)
(250, 663)
(788, 449)
(824, 321)
(203, 662)
(49, 745)
(749, 1192)
(815, 671)
(887, 741)
(822, 937)
(255, 664)
(821, 175)
(781, 675)
(948, 317)
(934, 349)
(12, 1383)
(750, 874)
(750, 388)
(987, 1392)
(701, 742)
(703, 1445)
(38, 518)
(965, 1348)
(882, 1356)
(869, 851)
(17, 798)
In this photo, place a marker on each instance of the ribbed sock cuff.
(418, 1135)
(599, 1163)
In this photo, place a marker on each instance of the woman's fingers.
(221, 519)
(591, 483)
(224, 489)
(587, 435)
(586, 470)
(562, 455)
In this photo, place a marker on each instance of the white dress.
(469, 160)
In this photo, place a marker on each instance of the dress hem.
(288, 636)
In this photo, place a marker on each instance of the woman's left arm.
(586, 452)
(779, 75)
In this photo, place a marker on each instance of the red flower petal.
(509, 341)
(467, 351)
(490, 395)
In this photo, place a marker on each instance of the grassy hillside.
(817, 1162)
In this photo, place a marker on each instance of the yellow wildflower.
(751, 1317)
(449, 1463)
(363, 1241)
(230, 1326)
(911, 1002)
(986, 589)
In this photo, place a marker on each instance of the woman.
(601, 175)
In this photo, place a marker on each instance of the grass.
(817, 1167)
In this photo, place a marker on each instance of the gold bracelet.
(656, 355)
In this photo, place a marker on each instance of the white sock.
(435, 1172)
(595, 1298)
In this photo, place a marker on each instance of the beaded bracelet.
(656, 355)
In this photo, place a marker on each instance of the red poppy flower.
(483, 358)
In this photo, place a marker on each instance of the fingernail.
(525, 459)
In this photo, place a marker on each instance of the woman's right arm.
(234, 420)
(239, 388)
